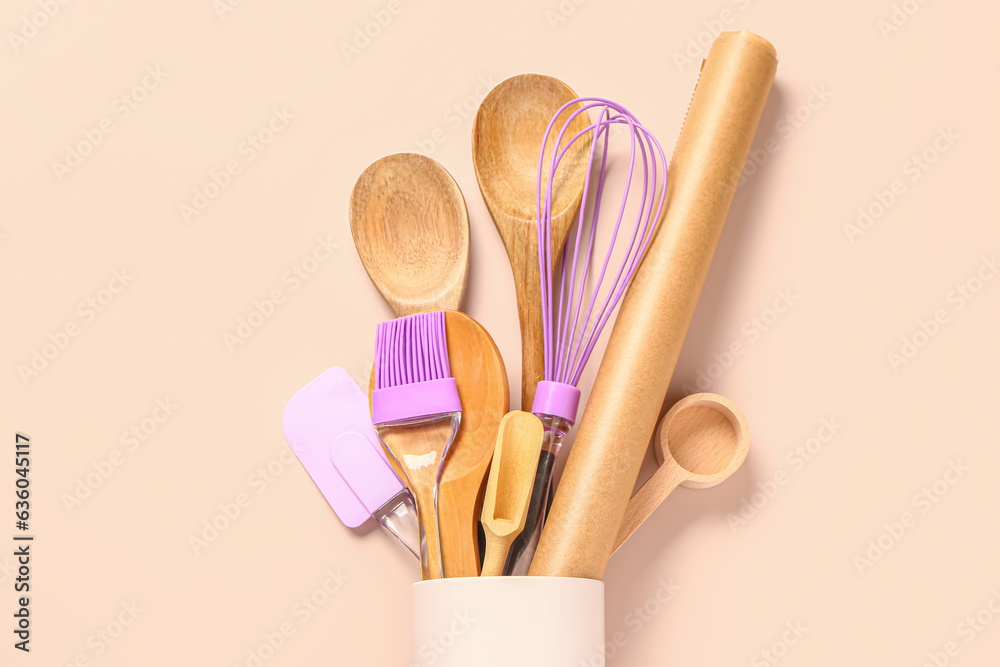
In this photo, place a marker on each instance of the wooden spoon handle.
(523, 251)
(459, 529)
(648, 498)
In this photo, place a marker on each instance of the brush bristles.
(411, 349)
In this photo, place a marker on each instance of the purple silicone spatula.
(327, 425)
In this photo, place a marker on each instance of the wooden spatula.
(512, 474)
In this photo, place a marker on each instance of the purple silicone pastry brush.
(416, 411)
(576, 303)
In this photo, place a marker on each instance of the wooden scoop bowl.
(506, 141)
(512, 476)
(701, 441)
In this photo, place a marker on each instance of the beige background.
(887, 95)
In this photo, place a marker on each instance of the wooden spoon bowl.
(506, 142)
(411, 229)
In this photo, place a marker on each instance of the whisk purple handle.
(568, 341)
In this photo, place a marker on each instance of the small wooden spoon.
(506, 140)
(512, 476)
(479, 372)
(702, 440)
(411, 229)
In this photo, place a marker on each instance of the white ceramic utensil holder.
(508, 621)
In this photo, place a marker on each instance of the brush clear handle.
(419, 446)
(524, 544)
(399, 517)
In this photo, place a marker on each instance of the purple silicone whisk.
(576, 304)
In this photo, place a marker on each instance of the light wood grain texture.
(701, 441)
(506, 141)
(481, 378)
(645, 342)
(512, 475)
(411, 230)
(419, 450)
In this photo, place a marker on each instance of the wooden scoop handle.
(497, 548)
(648, 498)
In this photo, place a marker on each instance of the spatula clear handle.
(399, 517)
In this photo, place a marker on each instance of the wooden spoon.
(411, 229)
(701, 441)
(506, 140)
(479, 372)
(512, 476)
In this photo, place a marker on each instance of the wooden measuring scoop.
(479, 372)
(512, 476)
(701, 441)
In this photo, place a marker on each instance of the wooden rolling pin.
(631, 384)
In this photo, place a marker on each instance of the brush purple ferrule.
(412, 376)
